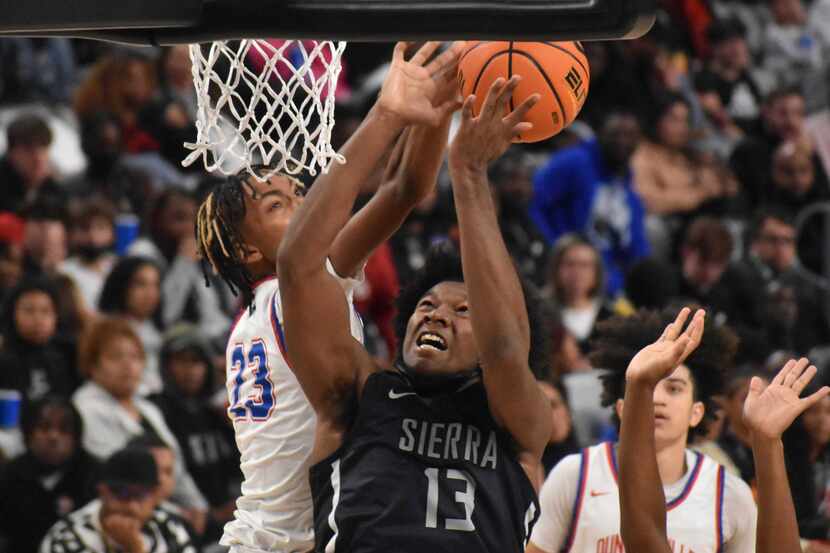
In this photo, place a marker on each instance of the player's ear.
(618, 407)
(698, 410)
(251, 254)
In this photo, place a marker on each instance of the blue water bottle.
(127, 226)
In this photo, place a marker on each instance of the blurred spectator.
(808, 468)
(794, 181)
(25, 170)
(126, 514)
(172, 245)
(614, 87)
(32, 360)
(588, 189)
(12, 234)
(53, 478)
(669, 176)
(44, 239)
(727, 72)
(795, 51)
(92, 240)
(735, 439)
(121, 84)
(375, 300)
(782, 120)
(132, 291)
(113, 413)
(36, 70)
(206, 438)
(562, 440)
(576, 282)
(651, 284)
(511, 178)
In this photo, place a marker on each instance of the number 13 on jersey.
(259, 400)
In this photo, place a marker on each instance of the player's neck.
(671, 462)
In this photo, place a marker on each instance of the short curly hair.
(443, 264)
(618, 340)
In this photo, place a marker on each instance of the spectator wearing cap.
(51, 479)
(111, 355)
(782, 120)
(92, 240)
(588, 189)
(728, 72)
(125, 516)
(25, 170)
(206, 438)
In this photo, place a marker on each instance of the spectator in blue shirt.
(588, 189)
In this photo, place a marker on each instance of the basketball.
(556, 70)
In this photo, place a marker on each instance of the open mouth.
(430, 340)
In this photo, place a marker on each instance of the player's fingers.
(814, 398)
(521, 128)
(467, 108)
(795, 372)
(425, 52)
(447, 59)
(805, 378)
(493, 95)
(508, 90)
(399, 53)
(782, 374)
(448, 107)
(673, 330)
(518, 114)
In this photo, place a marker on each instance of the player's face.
(675, 408)
(165, 461)
(268, 213)
(52, 441)
(439, 334)
(119, 368)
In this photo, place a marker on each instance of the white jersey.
(274, 426)
(707, 511)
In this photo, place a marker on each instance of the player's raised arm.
(642, 502)
(768, 412)
(406, 182)
(321, 349)
(497, 307)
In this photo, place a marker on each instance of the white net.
(265, 102)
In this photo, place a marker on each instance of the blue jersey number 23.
(257, 405)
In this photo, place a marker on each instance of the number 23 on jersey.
(254, 378)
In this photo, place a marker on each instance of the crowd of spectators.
(697, 172)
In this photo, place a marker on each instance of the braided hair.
(219, 231)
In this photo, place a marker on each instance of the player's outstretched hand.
(412, 86)
(658, 360)
(771, 410)
(482, 139)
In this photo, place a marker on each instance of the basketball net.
(265, 102)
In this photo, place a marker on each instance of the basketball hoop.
(265, 102)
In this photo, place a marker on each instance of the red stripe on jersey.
(719, 508)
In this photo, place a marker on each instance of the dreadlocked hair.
(443, 264)
(618, 340)
(219, 230)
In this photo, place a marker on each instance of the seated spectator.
(669, 178)
(735, 439)
(728, 72)
(25, 170)
(12, 234)
(92, 239)
(207, 440)
(511, 178)
(375, 299)
(794, 181)
(132, 291)
(33, 360)
(121, 84)
(172, 245)
(126, 516)
(113, 413)
(562, 440)
(808, 468)
(53, 478)
(782, 119)
(37, 70)
(795, 51)
(44, 240)
(651, 284)
(588, 189)
(576, 281)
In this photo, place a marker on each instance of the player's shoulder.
(734, 486)
(566, 469)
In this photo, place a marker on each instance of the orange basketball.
(556, 70)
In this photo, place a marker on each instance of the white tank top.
(274, 426)
(694, 518)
